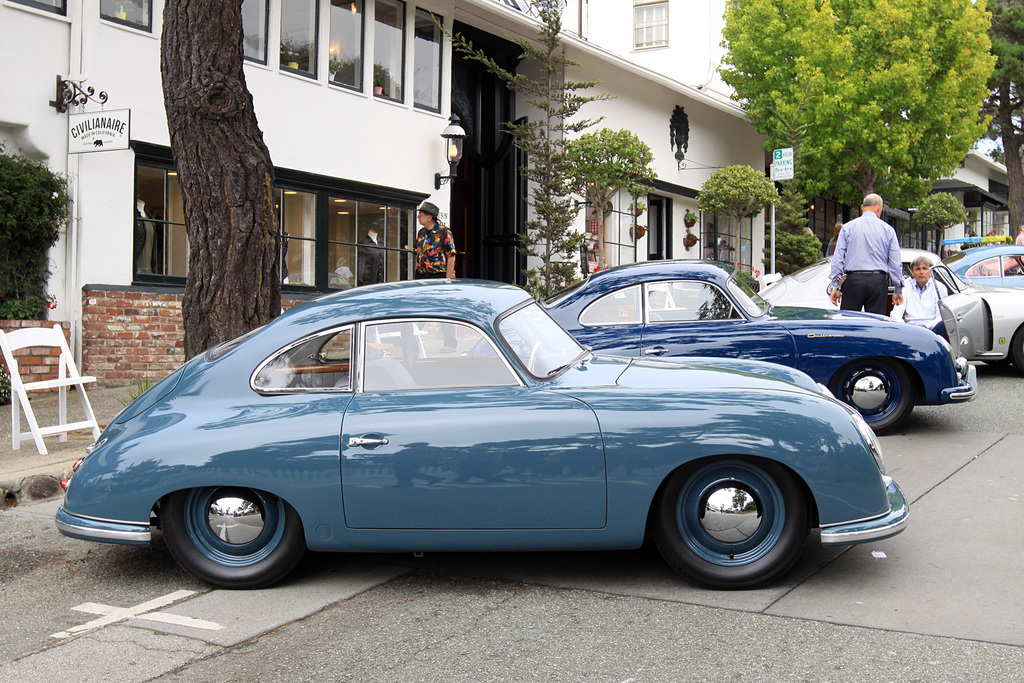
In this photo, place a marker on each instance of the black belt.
(880, 272)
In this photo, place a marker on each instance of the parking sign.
(782, 164)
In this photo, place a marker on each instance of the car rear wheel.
(233, 537)
(879, 388)
(732, 523)
(1017, 349)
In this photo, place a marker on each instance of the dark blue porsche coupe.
(350, 424)
(700, 308)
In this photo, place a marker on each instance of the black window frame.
(61, 11)
(148, 28)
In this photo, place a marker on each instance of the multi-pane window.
(389, 49)
(367, 243)
(55, 6)
(345, 54)
(135, 13)
(650, 23)
(724, 241)
(254, 29)
(160, 245)
(299, 36)
(426, 76)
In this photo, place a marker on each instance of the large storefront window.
(297, 219)
(367, 243)
(298, 36)
(159, 239)
(389, 49)
(55, 6)
(426, 77)
(619, 230)
(135, 13)
(335, 234)
(255, 15)
(345, 61)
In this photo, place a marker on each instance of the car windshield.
(542, 346)
(749, 300)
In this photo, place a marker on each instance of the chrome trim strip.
(889, 524)
(128, 533)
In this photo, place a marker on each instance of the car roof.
(975, 254)
(908, 255)
(645, 271)
(476, 301)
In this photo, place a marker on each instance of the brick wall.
(130, 332)
(35, 363)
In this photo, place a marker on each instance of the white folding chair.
(67, 376)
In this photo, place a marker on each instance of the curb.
(36, 488)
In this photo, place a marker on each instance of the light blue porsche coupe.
(349, 424)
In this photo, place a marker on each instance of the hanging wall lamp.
(453, 136)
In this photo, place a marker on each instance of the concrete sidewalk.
(24, 473)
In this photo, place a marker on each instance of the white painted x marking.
(145, 611)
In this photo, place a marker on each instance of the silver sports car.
(984, 322)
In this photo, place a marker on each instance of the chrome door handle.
(360, 441)
(656, 351)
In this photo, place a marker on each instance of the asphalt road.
(940, 602)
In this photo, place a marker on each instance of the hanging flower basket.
(690, 239)
(690, 219)
(638, 231)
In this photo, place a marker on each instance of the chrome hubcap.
(730, 514)
(235, 520)
(868, 392)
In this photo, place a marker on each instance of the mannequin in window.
(143, 239)
(371, 259)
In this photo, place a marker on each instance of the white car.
(984, 322)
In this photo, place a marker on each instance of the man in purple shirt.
(868, 254)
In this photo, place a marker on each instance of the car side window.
(318, 363)
(1013, 265)
(431, 354)
(987, 268)
(687, 301)
(621, 307)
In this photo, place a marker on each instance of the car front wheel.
(731, 523)
(1017, 349)
(879, 388)
(233, 537)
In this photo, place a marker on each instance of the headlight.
(874, 445)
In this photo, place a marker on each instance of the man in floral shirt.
(434, 249)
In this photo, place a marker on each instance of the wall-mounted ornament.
(679, 134)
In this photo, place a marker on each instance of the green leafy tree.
(738, 192)
(603, 164)
(1005, 103)
(940, 210)
(874, 96)
(33, 207)
(549, 231)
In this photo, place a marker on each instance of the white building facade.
(351, 96)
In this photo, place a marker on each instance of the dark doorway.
(488, 197)
(659, 228)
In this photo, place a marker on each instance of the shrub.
(33, 207)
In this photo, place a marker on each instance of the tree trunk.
(1013, 141)
(225, 171)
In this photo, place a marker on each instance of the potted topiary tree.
(739, 192)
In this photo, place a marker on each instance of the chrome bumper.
(873, 529)
(105, 531)
(967, 389)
